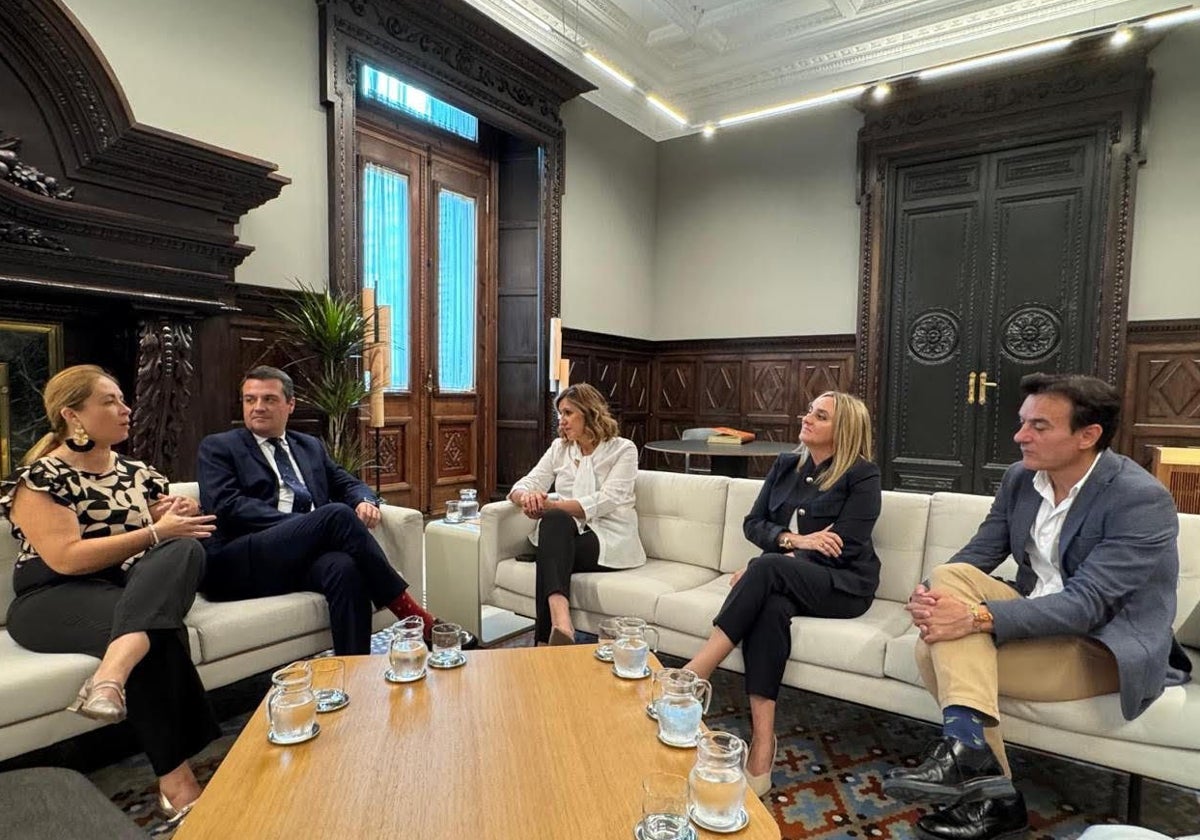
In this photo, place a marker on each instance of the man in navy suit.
(291, 520)
(1094, 537)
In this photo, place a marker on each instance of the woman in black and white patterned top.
(108, 566)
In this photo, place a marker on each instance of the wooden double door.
(427, 233)
(993, 269)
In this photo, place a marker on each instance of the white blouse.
(603, 484)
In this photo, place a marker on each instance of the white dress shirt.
(1042, 544)
(603, 484)
(286, 497)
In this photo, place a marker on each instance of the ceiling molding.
(709, 59)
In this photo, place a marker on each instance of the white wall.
(1164, 275)
(758, 230)
(608, 224)
(244, 76)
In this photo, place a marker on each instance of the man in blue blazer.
(1094, 537)
(291, 520)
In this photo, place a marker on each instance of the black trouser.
(561, 551)
(167, 708)
(328, 550)
(758, 613)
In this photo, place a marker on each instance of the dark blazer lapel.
(256, 453)
(1101, 477)
(1025, 511)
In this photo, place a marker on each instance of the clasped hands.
(534, 503)
(939, 616)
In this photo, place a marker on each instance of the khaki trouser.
(973, 671)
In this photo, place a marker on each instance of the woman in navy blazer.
(813, 520)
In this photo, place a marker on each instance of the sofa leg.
(1133, 808)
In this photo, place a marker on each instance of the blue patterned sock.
(964, 724)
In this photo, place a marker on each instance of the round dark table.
(727, 458)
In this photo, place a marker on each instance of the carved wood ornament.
(103, 218)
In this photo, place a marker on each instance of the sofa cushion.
(624, 592)
(681, 517)
(899, 540)
(736, 550)
(855, 645)
(37, 684)
(1169, 722)
(953, 520)
(230, 627)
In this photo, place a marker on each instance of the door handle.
(971, 388)
(984, 385)
(429, 382)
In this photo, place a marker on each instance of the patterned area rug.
(828, 770)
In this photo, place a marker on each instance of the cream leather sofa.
(229, 640)
(691, 527)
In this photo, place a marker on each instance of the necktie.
(303, 500)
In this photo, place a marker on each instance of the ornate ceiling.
(711, 59)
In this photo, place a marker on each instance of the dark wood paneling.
(760, 384)
(1161, 405)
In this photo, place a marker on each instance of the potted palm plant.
(329, 329)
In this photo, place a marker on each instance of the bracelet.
(153, 533)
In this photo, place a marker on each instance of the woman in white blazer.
(588, 524)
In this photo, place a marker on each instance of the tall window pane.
(456, 292)
(385, 259)
(416, 103)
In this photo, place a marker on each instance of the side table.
(452, 583)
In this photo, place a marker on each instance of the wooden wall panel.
(1161, 404)
(762, 385)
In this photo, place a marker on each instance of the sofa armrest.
(401, 533)
(503, 533)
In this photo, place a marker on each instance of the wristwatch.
(785, 541)
(980, 615)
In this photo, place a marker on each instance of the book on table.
(733, 437)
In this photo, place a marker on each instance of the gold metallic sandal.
(91, 703)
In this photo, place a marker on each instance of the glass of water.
(664, 807)
(468, 503)
(408, 653)
(447, 644)
(454, 511)
(291, 705)
(610, 629)
(329, 683)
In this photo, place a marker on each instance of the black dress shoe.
(989, 819)
(951, 771)
(470, 642)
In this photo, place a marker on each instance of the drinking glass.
(610, 629)
(630, 654)
(454, 511)
(447, 643)
(664, 807)
(468, 503)
(329, 683)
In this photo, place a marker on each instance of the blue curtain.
(417, 103)
(385, 260)
(457, 272)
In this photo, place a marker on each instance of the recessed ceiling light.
(881, 91)
(1122, 36)
(709, 130)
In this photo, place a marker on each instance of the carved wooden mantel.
(105, 218)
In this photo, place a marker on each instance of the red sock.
(404, 606)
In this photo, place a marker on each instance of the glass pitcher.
(408, 653)
(291, 704)
(679, 699)
(717, 783)
(632, 647)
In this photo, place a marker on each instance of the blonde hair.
(597, 420)
(851, 436)
(69, 388)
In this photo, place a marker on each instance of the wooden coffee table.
(518, 743)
